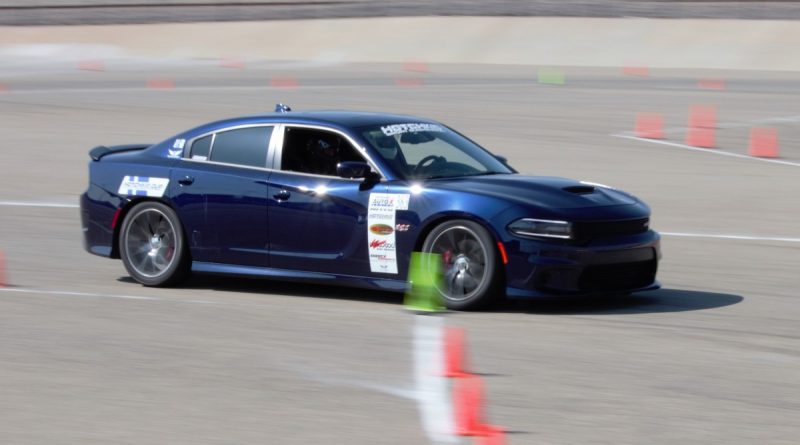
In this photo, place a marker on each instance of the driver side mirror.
(353, 169)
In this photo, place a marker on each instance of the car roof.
(342, 119)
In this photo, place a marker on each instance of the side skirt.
(295, 275)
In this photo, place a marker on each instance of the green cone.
(423, 272)
(551, 76)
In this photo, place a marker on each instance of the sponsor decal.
(381, 233)
(402, 227)
(381, 229)
(391, 130)
(143, 186)
(381, 245)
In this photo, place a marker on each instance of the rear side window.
(201, 148)
(243, 146)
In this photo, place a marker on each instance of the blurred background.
(604, 91)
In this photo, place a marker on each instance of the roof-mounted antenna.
(281, 108)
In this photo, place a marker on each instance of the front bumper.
(545, 269)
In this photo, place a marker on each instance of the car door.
(317, 220)
(224, 179)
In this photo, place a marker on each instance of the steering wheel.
(428, 161)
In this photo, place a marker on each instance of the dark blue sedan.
(346, 197)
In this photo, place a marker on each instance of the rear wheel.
(152, 245)
(469, 269)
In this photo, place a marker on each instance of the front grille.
(621, 276)
(592, 230)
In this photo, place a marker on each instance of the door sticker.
(380, 234)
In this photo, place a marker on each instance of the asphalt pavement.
(88, 356)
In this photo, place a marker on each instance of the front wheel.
(470, 273)
(152, 245)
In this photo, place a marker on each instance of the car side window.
(200, 148)
(241, 146)
(309, 150)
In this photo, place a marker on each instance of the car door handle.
(282, 195)
(186, 180)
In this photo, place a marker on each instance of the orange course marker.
(650, 126)
(409, 82)
(641, 71)
(454, 361)
(92, 65)
(711, 84)
(763, 142)
(284, 82)
(468, 406)
(160, 84)
(232, 62)
(702, 126)
(416, 66)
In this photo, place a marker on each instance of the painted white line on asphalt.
(65, 293)
(433, 392)
(37, 204)
(328, 379)
(735, 237)
(705, 150)
(74, 294)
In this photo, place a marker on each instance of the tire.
(152, 245)
(470, 272)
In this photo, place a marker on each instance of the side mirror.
(353, 169)
(504, 160)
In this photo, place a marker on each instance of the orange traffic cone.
(641, 71)
(416, 66)
(158, 83)
(91, 65)
(702, 126)
(232, 62)
(700, 137)
(468, 406)
(650, 126)
(454, 361)
(284, 82)
(711, 84)
(763, 142)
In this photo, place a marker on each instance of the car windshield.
(424, 150)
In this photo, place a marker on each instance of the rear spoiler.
(98, 152)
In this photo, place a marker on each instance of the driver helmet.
(387, 146)
(322, 149)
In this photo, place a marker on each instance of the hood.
(538, 191)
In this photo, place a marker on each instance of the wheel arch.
(123, 213)
(431, 223)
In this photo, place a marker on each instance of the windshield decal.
(391, 130)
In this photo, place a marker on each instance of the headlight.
(541, 228)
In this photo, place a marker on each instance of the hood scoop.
(579, 189)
